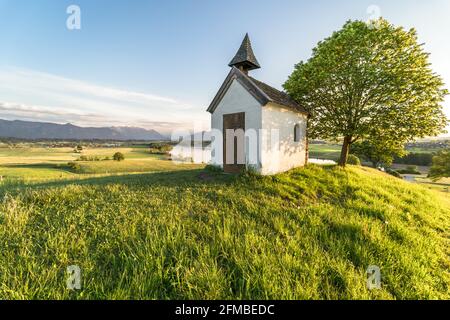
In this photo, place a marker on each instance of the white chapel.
(255, 125)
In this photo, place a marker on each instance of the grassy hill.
(307, 234)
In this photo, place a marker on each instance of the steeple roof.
(245, 58)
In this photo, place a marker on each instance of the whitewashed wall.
(236, 100)
(291, 154)
(271, 160)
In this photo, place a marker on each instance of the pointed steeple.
(245, 59)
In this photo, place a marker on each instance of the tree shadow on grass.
(59, 166)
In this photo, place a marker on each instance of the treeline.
(18, 143)
(161, 148)
(417, 159)
(430, 145)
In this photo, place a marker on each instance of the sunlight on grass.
(38, 164)
(307, 234)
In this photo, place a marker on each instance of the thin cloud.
(44, 80)
(38, 113)
(29, 94)
(14, 111)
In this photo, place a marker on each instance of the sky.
(158, 64)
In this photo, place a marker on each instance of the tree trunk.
(345, 150)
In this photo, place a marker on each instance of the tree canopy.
(370, 81)
(118, 156)
(441, 165)
(377, 152)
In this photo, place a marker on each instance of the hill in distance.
(29, 130)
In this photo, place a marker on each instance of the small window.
(297, 135)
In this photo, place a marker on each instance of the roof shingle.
(245, 56)
(259, 90)
(277, 96)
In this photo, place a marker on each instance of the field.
(325, 151)
(441, 185)
(332, 152)
(182, 232)
(36, 164)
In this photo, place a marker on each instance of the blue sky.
(157, 64)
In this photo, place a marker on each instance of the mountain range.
(29, 130)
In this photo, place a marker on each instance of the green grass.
(35, 171)
(132, 166)
(440, 185)
(423, 150)
(58, 155)
(325, 151)
(38, 164)
(333, 152)
(307, 234)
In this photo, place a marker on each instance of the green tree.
(353, 160)
(118, 156)
(378, 152)
(441, 165)
(369, 81)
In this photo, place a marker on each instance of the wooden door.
(234, 154)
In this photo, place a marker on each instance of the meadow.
(32, 163)
(184, 232)
(325, 151)
(330, 151)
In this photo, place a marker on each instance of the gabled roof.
(245, 56)
(279, 97)
(262, 92)
(244, 80)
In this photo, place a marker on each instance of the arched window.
(297, 134)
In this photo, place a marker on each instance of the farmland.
(30, 163)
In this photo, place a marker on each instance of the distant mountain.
(40, 130)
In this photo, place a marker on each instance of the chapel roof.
(277, 96)
(245, 58)
(261, 91)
